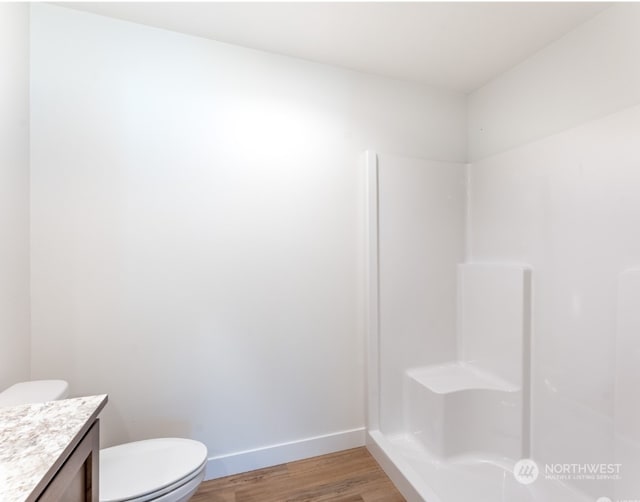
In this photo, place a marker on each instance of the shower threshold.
(421, 477)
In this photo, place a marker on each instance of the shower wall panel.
(421, 241)
(568, 205)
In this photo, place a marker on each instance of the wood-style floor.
(346, 476)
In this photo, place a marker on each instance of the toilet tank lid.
(36, 391)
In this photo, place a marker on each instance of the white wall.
(196, 221)
(567, 204)
(14, 193)
(589, 73)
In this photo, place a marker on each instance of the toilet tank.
(37, 391)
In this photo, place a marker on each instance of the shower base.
(421, 477)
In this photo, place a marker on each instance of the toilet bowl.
(158, 470)
(166, 469)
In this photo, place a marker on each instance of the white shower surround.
(567, 206)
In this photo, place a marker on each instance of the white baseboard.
(244, 461)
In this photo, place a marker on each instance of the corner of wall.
(590, 72)
(14, 193)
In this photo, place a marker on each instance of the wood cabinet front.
(77, 479)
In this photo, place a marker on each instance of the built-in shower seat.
(476, 403)
(457, 409)
(459, 376)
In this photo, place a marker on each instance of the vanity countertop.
(36, 439)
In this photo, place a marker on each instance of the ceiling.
(454, 45)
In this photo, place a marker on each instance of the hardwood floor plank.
(345, 476)
(237, 481)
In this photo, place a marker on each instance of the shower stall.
(464, 403)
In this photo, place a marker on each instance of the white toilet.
(158, 470)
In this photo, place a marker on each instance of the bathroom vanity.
(50, 451)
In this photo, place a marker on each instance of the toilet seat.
(153, 469)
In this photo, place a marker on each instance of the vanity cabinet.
(49, 452)
(77, 479)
